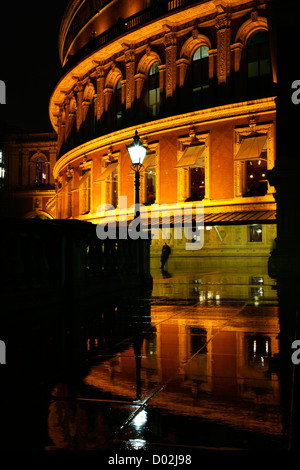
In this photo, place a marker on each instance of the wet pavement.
(195, 367)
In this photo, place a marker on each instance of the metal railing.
(123, 26)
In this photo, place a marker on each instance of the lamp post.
(137, 152)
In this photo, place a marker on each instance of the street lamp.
(137, 152)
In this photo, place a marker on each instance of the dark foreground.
(194, 365)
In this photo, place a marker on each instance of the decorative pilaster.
(170, 41)
(130, 77)
(79, 89)
(223, 26)
(100, 92)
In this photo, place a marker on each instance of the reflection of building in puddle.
(255, 288)
(201, 362)
(217, 286)
(201, 356)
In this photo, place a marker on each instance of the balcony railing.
(123, 26)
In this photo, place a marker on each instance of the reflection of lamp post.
(137, 152)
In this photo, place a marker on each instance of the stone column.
(223, 26)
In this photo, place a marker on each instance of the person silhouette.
(165, 252)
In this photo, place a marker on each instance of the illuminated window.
(252, 158)
(193, 162)
(256, 182)
(153, 89)
(41, 176)
(255, 233)
(197, 183)
(200, 73)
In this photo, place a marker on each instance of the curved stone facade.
(174, 71)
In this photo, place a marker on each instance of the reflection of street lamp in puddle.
(138, 423)
(136, 444)
(140, 420)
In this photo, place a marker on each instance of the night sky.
(29, 61)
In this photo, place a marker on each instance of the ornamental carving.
(223, 47)
(69, 172)
(171, 54)
(130, 83)
(170, 39)
(223, 21)
(129, 55)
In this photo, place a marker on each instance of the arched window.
(258, 60)
(200, 73)
(153, 89)
(40, 175)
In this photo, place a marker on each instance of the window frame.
(239, 165)
(153, 77)
(200, 77)
(108, 184)
(43, 161)
(184, 174)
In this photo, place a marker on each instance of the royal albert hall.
(196, 80)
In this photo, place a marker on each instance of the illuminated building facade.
(196, 80)
(28, 185)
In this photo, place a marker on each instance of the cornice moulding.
(227, 112)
